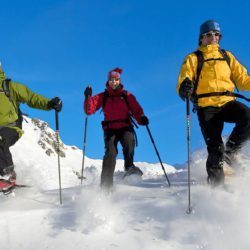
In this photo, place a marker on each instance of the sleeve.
(24, 95)
(93, 103)
(188, 69)
(135, 108)
(239, 73)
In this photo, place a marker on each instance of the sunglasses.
(212, 33)
(114, 79)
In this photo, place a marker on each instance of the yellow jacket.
(216, 76)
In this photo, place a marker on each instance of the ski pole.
(84, 141)
(189, 210)
(58, 156)
(152, 140)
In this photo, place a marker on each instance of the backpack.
(201, 61)
(6, 89)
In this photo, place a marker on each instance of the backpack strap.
(6, 88)
(200, 62)
(225, 56)
(105, 97)
(225, 93)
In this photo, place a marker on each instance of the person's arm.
(136, 110)
(23, 94)
(188, 70)
(239, 73)
(93, 103)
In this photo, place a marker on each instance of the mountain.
(143, 214)
(35, 158)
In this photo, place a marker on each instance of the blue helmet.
(209, 26)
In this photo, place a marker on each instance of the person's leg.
(238, 113)
(8, 137)
(127, 140)
(109, 159)
(211, 127)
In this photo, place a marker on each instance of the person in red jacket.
(119, 106)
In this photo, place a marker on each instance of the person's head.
(114, 78)
(210, 33)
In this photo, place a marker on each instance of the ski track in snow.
(138, 214)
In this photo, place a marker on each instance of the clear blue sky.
(58, 47)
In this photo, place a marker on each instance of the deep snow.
(137, 215)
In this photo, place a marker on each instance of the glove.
(55, 103)
(186, 88)
(144, 120)
(88, 92)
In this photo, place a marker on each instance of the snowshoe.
(133, 170)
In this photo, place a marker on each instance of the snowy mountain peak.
(48, 140)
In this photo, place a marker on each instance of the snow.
(144, 214)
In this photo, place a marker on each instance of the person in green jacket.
(11, 94)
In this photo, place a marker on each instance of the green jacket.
(19, 94)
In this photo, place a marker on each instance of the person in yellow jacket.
(211, 89)
(11, 94)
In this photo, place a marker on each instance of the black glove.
(144, 120)
(88, 92)
(186, 88)
(55, 103)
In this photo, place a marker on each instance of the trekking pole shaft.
(188, 151)
(84, 146)
(152, 140)
(84, 140)
(58, 156)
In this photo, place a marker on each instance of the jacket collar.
(209, 48)
(114, 92)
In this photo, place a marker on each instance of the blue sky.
(58, 47)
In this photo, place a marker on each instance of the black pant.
(8, 137)
(211, 120)
(111, 138)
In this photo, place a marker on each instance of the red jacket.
(116, 111)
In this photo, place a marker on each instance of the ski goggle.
(212, 33)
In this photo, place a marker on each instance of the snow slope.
(137, 215)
